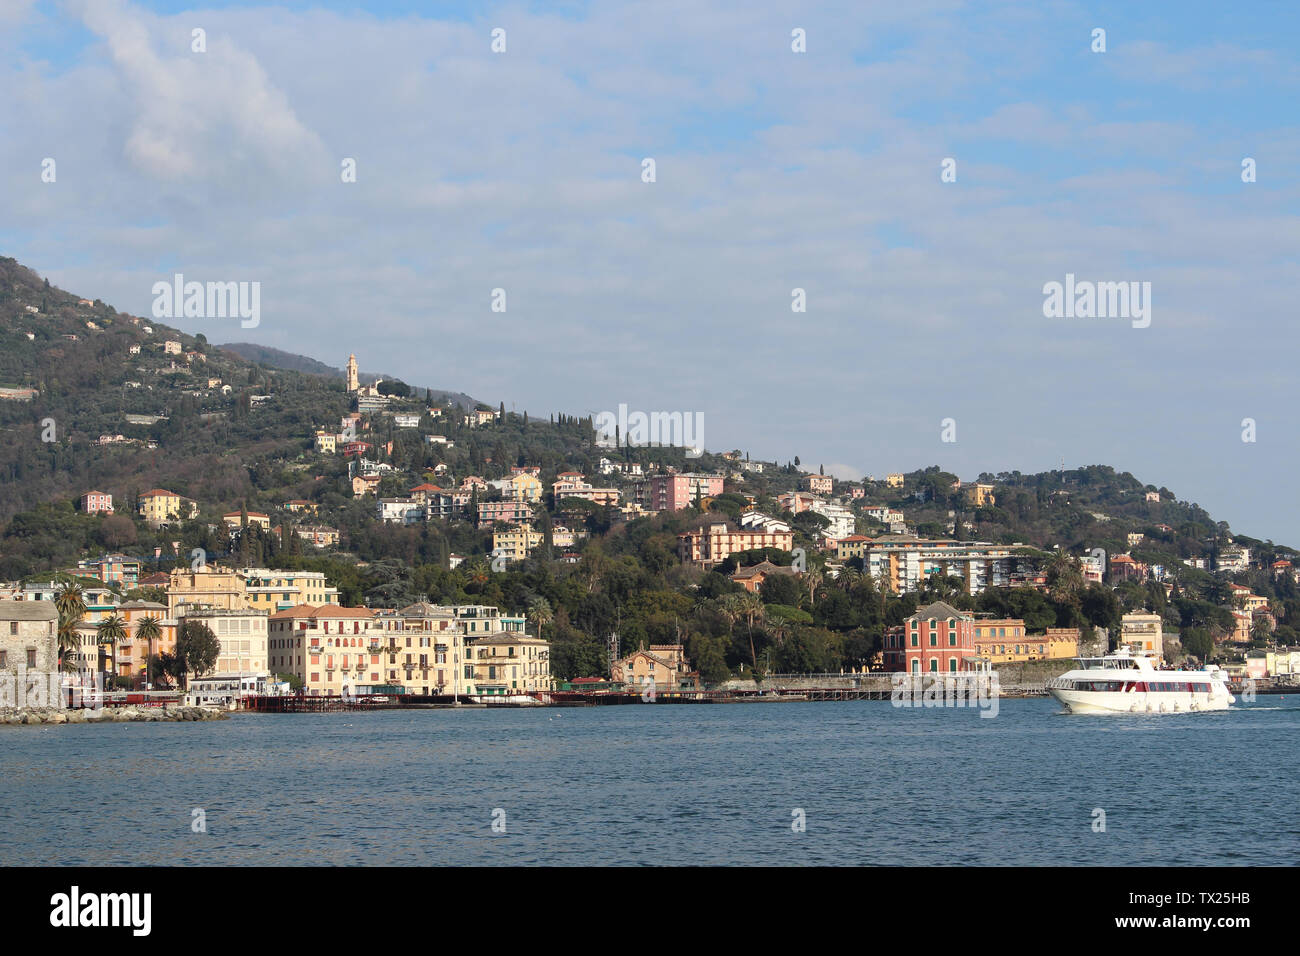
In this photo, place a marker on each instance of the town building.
(817, 484)
(267, 590)
(243, 634)
(332, 650)
(516, 543)
(112, 569)
(1143, 629)
(132, 653)
(97, 502)
(425, 648)
(752, 577)
(234, 520)
(673, 492)
(717, 541)
(936, 639)
(403, 511)
(29, 643)
(507, 663)
(207, 586)
(509, 511)
(903, 562)
(322, 536)
(160, 508)
(664, 667)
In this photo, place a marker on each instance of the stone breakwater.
(108, 715)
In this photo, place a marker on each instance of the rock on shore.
(51, 715)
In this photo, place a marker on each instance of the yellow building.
(1005, 641)
(160, 507)
(516, 543)
(326, 444)
(276, 590)
(234, 520)
(893, 481)
(506, 663)
(1145, 630)
(210, 587)
(331, 649)
(524, 487)
(425, 647)
(981, 496)
(854, 546)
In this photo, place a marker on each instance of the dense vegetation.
(246, 445)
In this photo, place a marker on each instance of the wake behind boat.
(1129, 683)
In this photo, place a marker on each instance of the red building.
(97, 502)
(936, 639)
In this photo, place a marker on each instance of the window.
(934, 639)
(952, 639)
(914, 641)
(934, 665)
(13, 627)
(952, 665)
(31, 657)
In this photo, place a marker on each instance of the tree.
(540, 613)
(1198, 642)
(148, 630)
(111, 630)
(197, 649)
(71, 606)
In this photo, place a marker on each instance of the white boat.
(517, 700)
(1128, 682)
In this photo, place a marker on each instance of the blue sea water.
(662, 784)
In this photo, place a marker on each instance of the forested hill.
(208, 423)
(198, 421)
(276, 358)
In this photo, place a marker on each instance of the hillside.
(96, 399)
(288, 361)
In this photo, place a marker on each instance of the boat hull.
(1139, 702)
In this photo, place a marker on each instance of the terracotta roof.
(159, 491)
(763, 567)
(323, 610)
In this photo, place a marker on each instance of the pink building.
(675, 492)
(96, 502)
(511, 512)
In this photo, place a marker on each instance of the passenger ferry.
(1128, 682)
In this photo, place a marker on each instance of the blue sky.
(775, 170)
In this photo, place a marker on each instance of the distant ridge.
(291, 362)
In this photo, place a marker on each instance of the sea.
(773, 784)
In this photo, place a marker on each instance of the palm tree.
(71, 604)
(749, 607)
(71, 600)
(540, 613)
(111, 630)
(148, 630)
(69, 640)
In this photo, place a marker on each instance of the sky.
(775, 170)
